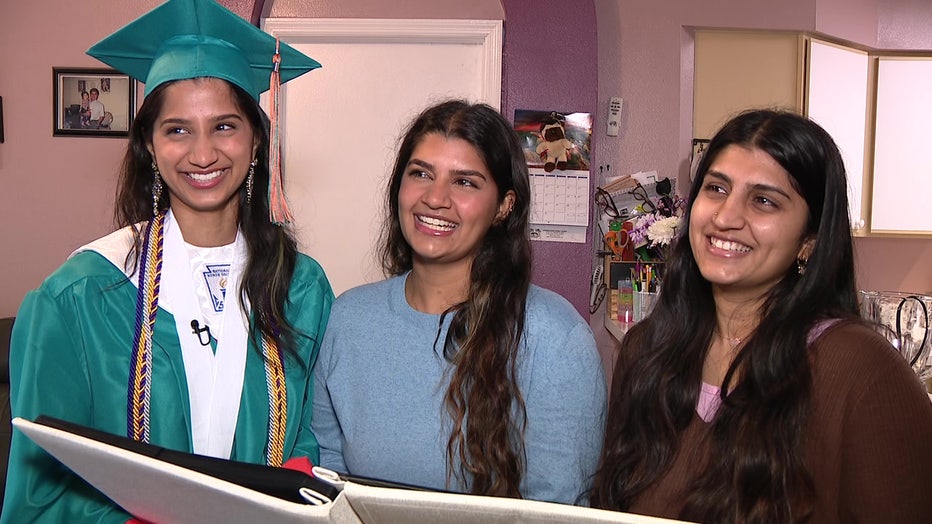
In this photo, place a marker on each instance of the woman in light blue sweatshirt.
(456, 372)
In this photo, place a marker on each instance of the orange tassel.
(279, 213)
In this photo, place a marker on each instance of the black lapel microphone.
(197, 330)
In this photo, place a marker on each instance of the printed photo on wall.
(555, 140)
(92, 102)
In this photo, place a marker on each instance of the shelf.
(615, 328)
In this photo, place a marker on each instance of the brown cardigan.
(869, 439)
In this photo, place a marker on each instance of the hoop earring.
(249, 180)
(156, 188)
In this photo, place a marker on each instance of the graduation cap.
(184, 39)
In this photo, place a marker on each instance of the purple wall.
(853, 20)
(904, 24)
(551, 63)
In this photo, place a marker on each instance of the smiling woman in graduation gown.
(195, 325)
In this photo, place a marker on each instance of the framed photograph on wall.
(92, 102)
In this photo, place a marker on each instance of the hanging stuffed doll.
(554, 148)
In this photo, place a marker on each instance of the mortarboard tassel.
(279, 213)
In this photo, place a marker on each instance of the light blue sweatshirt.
(380, 380)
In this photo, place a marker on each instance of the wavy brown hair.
(755, 472)
(486, 442)
(272, 250)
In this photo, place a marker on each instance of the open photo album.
(165, 486)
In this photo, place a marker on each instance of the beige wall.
(645, 56)
(57, 193)
(430, 9)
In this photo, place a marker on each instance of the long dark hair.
(272, 250)
(486, 329)
(756, 473)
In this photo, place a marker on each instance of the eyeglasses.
(640, 194)
(606, 203)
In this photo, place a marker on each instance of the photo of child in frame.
(92, 102)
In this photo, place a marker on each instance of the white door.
(342, 122)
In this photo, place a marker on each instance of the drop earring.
(801, 265)
(156, 188)
(249, 180)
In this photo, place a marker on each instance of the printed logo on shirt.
(216, 278)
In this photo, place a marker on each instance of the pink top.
(709, 401)
(710, 396)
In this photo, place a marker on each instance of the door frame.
(484, 33)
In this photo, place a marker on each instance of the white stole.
(214, 379)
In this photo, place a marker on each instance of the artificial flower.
(662, 232)
(653, 232)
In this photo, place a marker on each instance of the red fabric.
(302, 464)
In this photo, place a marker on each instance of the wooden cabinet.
(736, 70)
(836, 97)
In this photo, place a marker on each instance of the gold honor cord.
(140, 374)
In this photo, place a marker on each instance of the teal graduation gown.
(70, 359)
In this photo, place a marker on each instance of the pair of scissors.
(616, 240)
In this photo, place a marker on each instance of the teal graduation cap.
(183, 39)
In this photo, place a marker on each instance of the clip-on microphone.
(197, 330)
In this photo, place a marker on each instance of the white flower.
(661, 232)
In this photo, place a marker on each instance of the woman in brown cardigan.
(754, 392)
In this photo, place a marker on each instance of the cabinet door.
(902, 171)
(836, 98)
(738, 70)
